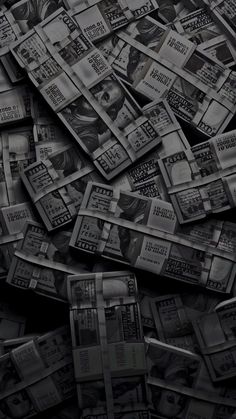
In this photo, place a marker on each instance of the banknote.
(220, 48)
(37, 375)
(224, 14)
(141, 232)
(179, 385)
(89, 95)
(173, 315)
(42, 263)
(218, 348)
(213, 191)
(105, 320)
(57, 184)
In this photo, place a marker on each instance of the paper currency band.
(110, 219)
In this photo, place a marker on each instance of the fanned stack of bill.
(201, 180)
(42, 263)
(37, 375)
(215, 333)
(82, 89)
(141, 232)
(108, 345)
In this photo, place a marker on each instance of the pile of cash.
(117, 209)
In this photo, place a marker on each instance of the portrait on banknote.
(85, 121)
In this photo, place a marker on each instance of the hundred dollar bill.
(37, 375)
(173, 315)
(224, 13)
(221, 49)
(180, 387)
(186, 83)
(90, 100)
(141, 232)
(57, 185)
(28, 13)
(215, 333)
(41, 263)
(201, 180)
(106, 331)
(104, 17)
(145, 177)
(7, 345)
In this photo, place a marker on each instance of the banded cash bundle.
(57, 185)
(37, 375)
(215, 333)
(98, 19)
(201, 180)
(143, 232)
(201, 29)
(145, 177)
(160, 63)
(108, 346)
(82, 89)
(180, 387)
(173, 315)
(224, 13)
(42, 263)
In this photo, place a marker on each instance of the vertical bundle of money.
(80, 86)
(108, 346)
(201, 29)
(57, 185)
(173, 316)
(145, 177)
(141, 232)
(224, 13)
(201, 180)
(37, 375)
(159, 62)
(41, 262)
(49, 137)
(180, 387)
(99, 19)
(215, 333)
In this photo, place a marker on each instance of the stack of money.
(141, 232)
(215, 333)
(180, 387)
(37, 375)
(42, 263)
(201, 180)
(108, 346)
(158, 62)
(82, 89)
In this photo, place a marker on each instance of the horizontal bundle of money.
(108, 346)
(142, 232)
(201, 180)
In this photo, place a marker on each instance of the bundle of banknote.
(42, 263)
(82, 89)
(143, 232)
(108, 345)
(215, 333)
(37, 375)
(180, 387)
(201, 180)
